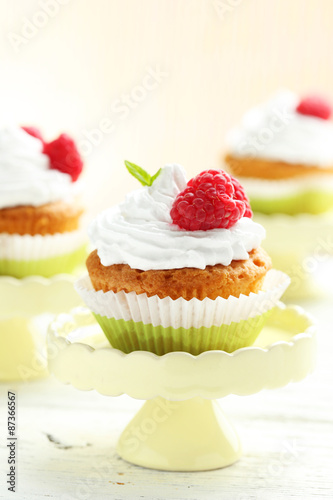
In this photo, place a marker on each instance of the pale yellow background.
(218, 62)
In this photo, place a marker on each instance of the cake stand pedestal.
(189, 435)
(181, 427)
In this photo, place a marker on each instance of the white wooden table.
(67, 439)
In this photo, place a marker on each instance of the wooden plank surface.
(67, 439)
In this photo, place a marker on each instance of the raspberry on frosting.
(64, 156)
(315, 105)
(212, 199)
(209, 179)
(35, 132)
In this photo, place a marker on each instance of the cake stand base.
(192, 435)
(184, 428)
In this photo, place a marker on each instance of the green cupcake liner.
(129, 336)
(310, 202)
(64, 263)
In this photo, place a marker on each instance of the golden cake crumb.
(240, 277)
(269, 169)
(57, 217)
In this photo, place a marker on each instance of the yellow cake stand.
(26, 308)
(181, 427)
(300, 245)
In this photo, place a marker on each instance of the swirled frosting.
(25, 174)
(276, 131)
(139, 232)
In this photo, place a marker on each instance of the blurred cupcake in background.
(282, 153)
(40, 208)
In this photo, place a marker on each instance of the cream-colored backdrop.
(164, 79)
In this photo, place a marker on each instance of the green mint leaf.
(156, 175)
(140, 174)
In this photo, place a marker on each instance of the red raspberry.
(315, 105)
(207, 203)
(216, 178)
(241, 195)
(64, 156)
(35, 132)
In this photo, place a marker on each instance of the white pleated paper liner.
(28, 247)
(137, 322)
(24, 255)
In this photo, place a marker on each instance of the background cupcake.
(283, 154)
(178, 266)
(39, 204)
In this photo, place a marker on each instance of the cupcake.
(178, 266)
(40, 209)
(283, 155)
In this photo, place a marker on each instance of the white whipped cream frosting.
(139, 232)
(274, 130)
(25, 174)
